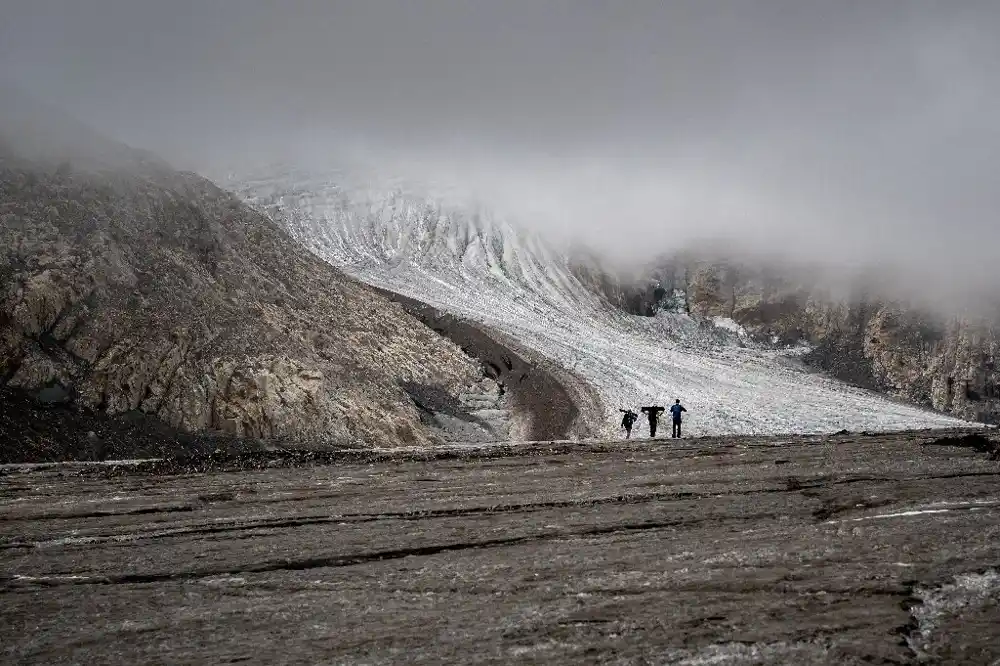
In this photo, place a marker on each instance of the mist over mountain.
(859, 138)
(35, 131)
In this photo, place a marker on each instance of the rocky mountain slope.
(947, 363)
(127, 287)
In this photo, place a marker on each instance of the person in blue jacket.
(675, 413)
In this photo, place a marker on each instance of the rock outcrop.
(130, 287)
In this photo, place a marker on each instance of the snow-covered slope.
(461, 258)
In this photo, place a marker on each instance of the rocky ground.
(846, 549)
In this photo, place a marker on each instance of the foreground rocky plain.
(853, 548)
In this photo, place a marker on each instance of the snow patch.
(743, 653)
(730, 325)
(967, 594)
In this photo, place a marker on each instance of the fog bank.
(850, 134)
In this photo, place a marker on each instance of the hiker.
(653, 412)
(675, 412)
(627, 421)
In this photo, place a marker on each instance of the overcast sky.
(849, 131)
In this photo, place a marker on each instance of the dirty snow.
(967, 593)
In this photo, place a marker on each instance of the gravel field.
(853, 548)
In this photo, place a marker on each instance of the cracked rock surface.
(811, 550)
(134, 288)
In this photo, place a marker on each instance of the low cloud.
(856, 136)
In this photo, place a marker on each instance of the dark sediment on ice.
(554, 403)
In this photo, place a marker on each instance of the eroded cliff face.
(141, 288)
(948, 364)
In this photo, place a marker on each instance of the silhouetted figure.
(627, 420)
(653, 412)
(675, 413)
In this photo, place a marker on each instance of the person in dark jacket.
(627, 420)
(653, 412)
(675, 413)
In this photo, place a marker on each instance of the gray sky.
(849, 131)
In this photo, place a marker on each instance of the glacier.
(458, 255)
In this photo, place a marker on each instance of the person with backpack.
(653, 412)
(675, 413)
(628, 419)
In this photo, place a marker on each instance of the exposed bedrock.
(133, 288)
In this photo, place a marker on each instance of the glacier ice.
(462, 258)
